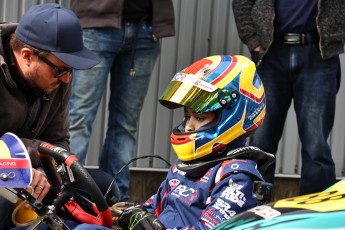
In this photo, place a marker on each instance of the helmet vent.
(226, 98)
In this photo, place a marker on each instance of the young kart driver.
(212, 179)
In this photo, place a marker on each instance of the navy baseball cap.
(56, 29)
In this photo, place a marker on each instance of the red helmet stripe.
(181, 139)
(195, 68)
(252, 96)
(254, 126)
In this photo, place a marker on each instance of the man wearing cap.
(37, 57)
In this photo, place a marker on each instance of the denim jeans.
(127, 94)
(298, 72)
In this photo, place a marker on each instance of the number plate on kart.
(15, 164)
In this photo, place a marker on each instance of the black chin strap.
(199, 168)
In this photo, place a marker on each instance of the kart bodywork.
(323, 210)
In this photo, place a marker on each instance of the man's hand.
(39, 184)
(257, 49)
(135, 218)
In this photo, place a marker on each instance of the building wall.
(203, 28)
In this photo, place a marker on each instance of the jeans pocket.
(147, 29)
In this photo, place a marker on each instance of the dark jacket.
(108, 13)
(254, 20)
(44, 119)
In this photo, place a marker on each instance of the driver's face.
(40, 76)
(194, 121)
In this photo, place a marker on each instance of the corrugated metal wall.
(204, 28)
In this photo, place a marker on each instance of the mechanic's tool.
(37, 205)
(121, 206)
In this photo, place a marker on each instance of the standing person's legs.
(315, 93)
(274, 72)
(88, 87)
(126, 101)
(103, 181)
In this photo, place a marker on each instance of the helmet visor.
(200, 96)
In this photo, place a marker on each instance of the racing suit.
(185, 202)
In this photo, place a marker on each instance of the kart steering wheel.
(67, 179)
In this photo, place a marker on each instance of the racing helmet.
(227, 85)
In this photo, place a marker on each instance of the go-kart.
(67, 177)
(324, 210)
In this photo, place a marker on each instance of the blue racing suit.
(185, 202)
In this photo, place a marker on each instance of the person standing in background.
(125, 35)
(296, 45)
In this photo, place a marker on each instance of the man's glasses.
(59, 72)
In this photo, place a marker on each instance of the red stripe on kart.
(14, 163)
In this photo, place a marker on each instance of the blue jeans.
(298, 72)
(127, 94)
